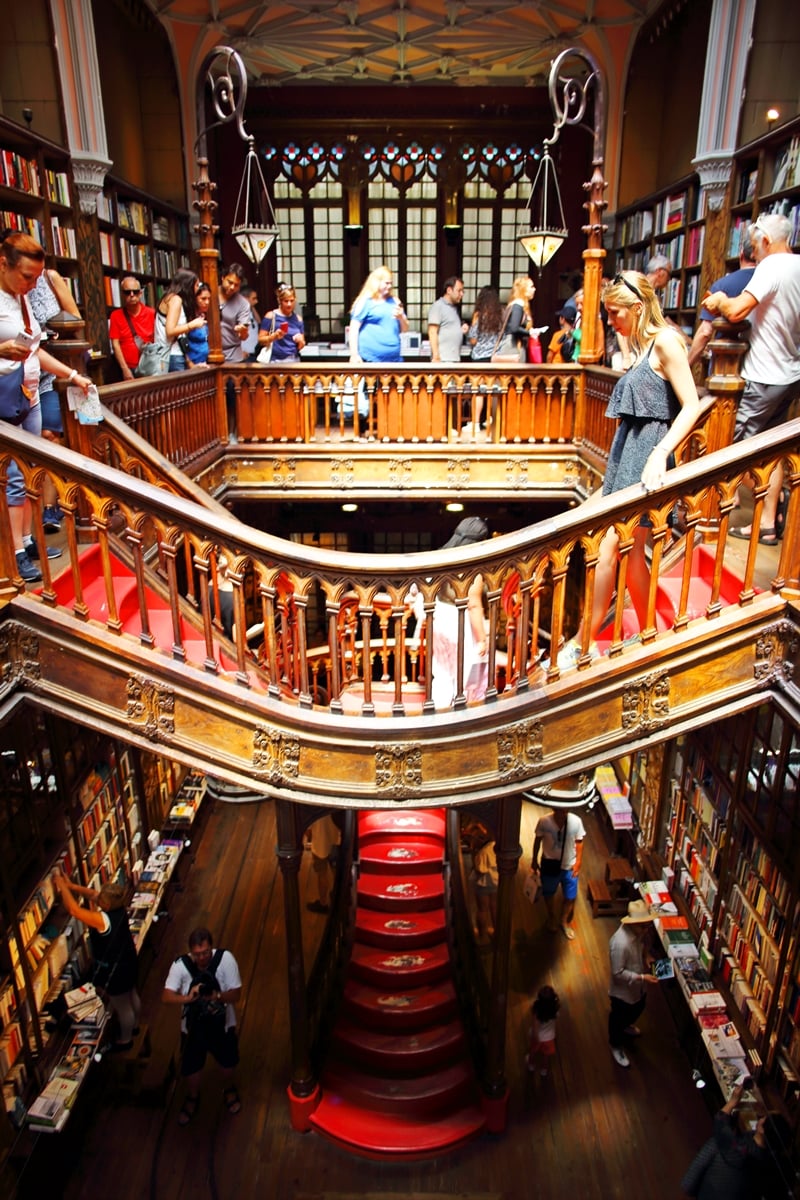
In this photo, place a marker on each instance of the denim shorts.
(15, 485)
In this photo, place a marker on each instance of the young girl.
(544, 1011)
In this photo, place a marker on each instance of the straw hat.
(638, 913)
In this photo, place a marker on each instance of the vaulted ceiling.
(466, 42)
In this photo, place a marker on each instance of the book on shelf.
(707, 1002)
(679, 942)
(672, 921)
(723, 1041)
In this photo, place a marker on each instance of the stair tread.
(400, 929)
(400, 1007)
(434, 1039)
(382, 1134)
(403, 965)
(400, 891)
(407, 855)
(428, 823)
(453, 1083)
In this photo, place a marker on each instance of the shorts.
(546, 1048)
(568, 881)
(763, 406)
(51, 411)
(225, 1049)
(15, 481)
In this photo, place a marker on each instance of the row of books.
(712, 808)
(695, 245)
(615, 802)
(57, 185)
(135, 257)
(133, 215)
(94, 818)
(189, 798)
(50, 1109)
(65, 244)
(19, 172)
(695, 901)
(758, 899)
(22, 224)
(742, 994)
(754, 860)
(703, 878)
(705, 844)
(673, 250)
(787, 166)
(153, 878)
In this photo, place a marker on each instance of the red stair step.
(400, 930)
(419, 1050)
(387, 1136)
(426, 823)
(398, 893)
(422, 1095)
(399, 967)
(407, 855)
(399, 1008)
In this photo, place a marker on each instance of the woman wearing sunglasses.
(656, 404)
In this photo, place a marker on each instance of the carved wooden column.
(206, 206)
(507, 851)
(303, 1090)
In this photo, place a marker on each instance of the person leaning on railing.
(656, 404)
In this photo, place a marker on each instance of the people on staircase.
(656, 405)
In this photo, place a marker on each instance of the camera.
(205, 985)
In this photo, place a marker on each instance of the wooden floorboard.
(589, 1129)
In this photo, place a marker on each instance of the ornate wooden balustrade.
(334, 643)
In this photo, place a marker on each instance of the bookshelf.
(730, 820)
(670, 222)
(37, 197)
(69, 804)
(139, 235)
(766, 179)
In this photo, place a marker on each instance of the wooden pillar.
(507, 851)
(592, 340)
(303, 1089)
(206, 205)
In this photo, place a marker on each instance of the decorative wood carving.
(774, 647)
(276, 757)
(519, 749)
(19, 655)
(398, 771)
(645, 705)
(151, 708)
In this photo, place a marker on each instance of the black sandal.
(190, 1106)
(232, 1100)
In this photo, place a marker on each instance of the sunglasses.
(131, 291)
(621, 279)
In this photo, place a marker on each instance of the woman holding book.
(113, 950)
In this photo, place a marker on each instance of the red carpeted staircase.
(399, 1082)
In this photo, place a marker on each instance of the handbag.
(15, 402)
(265, 353)
(505, 348)
(153, 360)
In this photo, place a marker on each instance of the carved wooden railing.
(529, 575)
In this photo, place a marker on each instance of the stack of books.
(84, 1006)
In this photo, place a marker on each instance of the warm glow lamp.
(545, 234)
(254, 224)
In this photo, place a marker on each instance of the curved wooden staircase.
(399, 1083)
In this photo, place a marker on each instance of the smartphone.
(24, 340)
(284, 328)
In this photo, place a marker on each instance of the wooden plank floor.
(590, 1129)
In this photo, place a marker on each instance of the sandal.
(232, 1101)
(780, 515)
(767, 536)
(190, 1106)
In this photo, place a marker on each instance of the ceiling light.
(349, 508)
(454, 506)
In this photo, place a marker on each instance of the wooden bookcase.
(139, 236)
(766, 178)
(730, 826)
(69, 804)
(670, 222)
(37, 196)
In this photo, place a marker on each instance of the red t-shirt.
(119, 330)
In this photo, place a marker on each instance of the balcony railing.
(371, 649)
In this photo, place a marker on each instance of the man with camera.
(207, 983)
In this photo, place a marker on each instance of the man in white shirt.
(771, 369)
(207, 984)
(560, 836)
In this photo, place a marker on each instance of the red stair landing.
(399, 1083)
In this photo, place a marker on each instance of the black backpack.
(205, 1017)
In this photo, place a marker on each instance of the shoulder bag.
(505, 349)
(14, 400)
(265, 353)
(153, 360)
